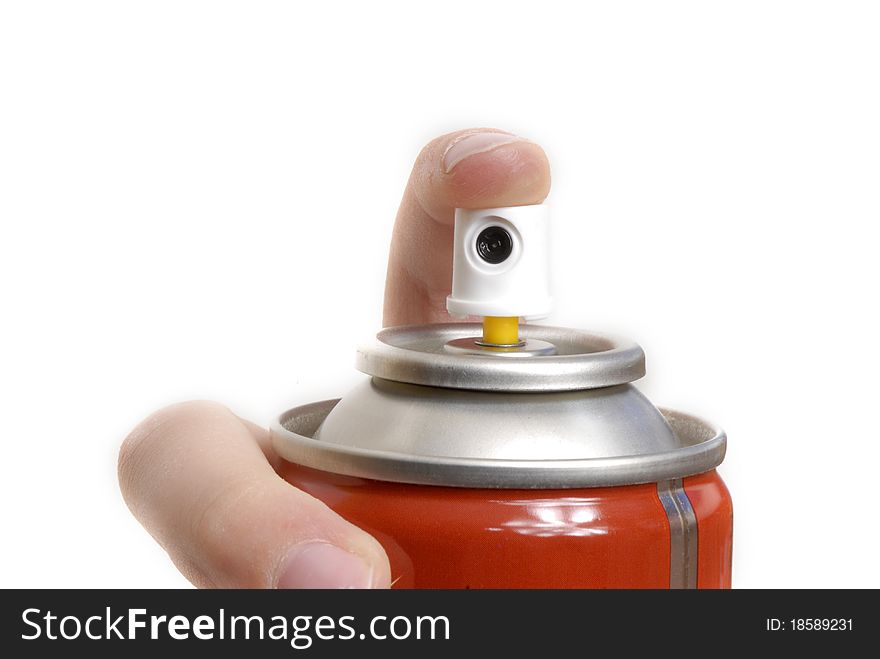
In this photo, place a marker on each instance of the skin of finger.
(419, 273)
(264, 441)
(197, 480)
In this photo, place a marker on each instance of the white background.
(196, 202)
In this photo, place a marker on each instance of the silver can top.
(551, 359)
(557, 411)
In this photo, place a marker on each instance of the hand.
(203, 482)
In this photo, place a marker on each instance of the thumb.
(195, 476)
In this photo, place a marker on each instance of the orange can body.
(604, 537)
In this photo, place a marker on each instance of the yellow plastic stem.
(501, 330)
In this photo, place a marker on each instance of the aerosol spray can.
(514, 456)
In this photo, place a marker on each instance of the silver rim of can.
(702, 448)
(416, 354)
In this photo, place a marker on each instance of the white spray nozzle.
(501, 263)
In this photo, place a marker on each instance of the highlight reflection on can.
(535, 464)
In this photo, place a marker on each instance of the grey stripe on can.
(682, 533)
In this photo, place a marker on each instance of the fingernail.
(474, 143)
(322, 565)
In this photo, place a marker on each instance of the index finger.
(475, 168)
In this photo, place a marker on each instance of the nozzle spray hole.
(494, 245)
